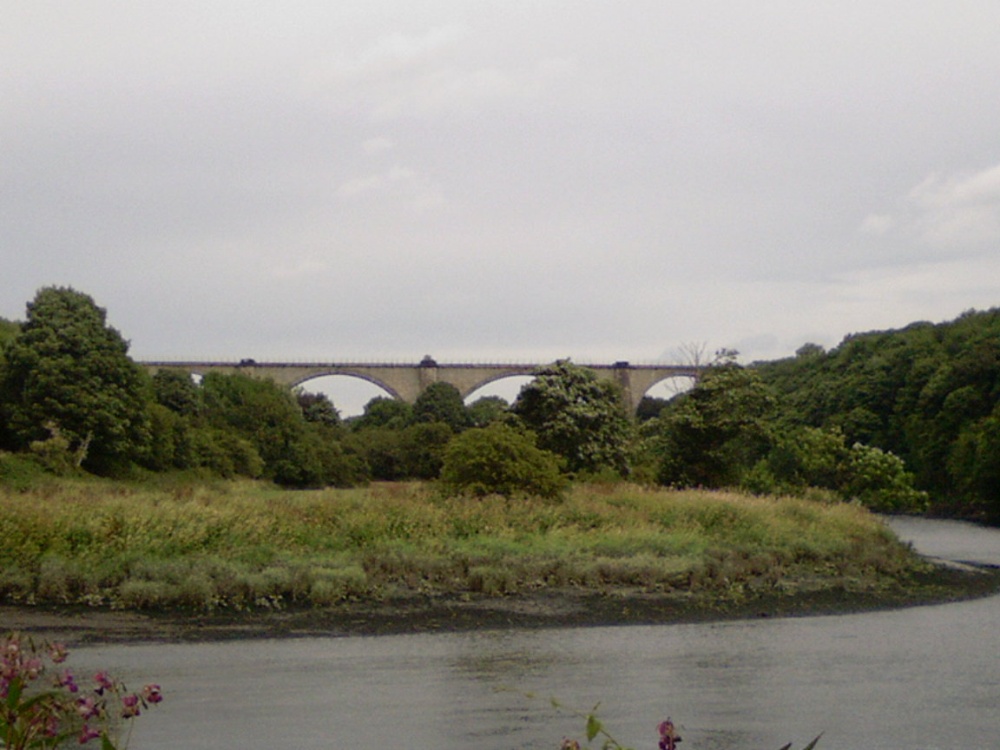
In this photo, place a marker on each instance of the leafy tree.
(413, 452)
(68, 369)
(317, 407)
(577, 416)
(820, 457)
(487, 410)
(499, 459)
(315, 460)
(441, 402)
(650, 407)
(384, 412)
(177, 391)
(710, 435)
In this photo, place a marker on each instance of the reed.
(245, 545)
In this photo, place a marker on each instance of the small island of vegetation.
(235, 500)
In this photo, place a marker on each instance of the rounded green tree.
(577, 416)
(68, 374)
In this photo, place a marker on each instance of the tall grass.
(247, 545)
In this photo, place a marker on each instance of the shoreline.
(545, 608)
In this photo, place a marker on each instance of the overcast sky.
(500, 180)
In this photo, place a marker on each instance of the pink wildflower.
(66, 680)
(31, 668)
(58, 653)
(130, 706)
(87, 708)
(668, 735)
(152, 694)
(103, 682)
(87, 734)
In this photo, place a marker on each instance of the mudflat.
(546, 608)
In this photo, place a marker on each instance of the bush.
(501, 460)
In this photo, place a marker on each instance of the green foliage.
(811, 457)
(577, 416)
(487, 410)
(441, 402)
(69, 369)
(925, 393)
(246, 545)
(499, 459)
(384, 412)
(711, 435)
(650, 408)
(413, 452)
(317, 407)
(177, 391)
(314, 458)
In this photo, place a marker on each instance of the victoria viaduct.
(406, 381)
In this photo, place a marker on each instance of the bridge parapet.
(406, 381)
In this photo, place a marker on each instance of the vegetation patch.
(245, 546)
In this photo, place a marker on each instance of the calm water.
(920, 678)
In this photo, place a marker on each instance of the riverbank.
(111, 561)
(551, 608)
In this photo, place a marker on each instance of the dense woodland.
(899, 420)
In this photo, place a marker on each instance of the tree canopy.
(68, 373)
(577, 416)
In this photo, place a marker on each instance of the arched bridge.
(407, 381)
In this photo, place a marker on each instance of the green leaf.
(594, 727)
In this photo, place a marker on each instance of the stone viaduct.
(406, 381)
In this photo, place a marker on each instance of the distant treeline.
(928, 393)
(895, 420)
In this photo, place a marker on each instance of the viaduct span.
(406, 381)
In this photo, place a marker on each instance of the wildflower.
(88, 733)
(87, 707)
(568, 744)
(152, 694)
(58, 653)
(668, 735)
(130, 706)
(31, 668)
(102, 682)
(67, 681)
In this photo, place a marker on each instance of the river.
(922, 678)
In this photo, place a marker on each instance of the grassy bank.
(243, 546)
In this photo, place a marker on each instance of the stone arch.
(688, 380)
(476, 392)
(342, 372)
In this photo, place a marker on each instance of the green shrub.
(501, 460)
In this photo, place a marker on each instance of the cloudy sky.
(504, 180)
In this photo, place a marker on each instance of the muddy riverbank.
(548, 608)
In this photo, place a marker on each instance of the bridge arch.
(670, 386)
(349, 393)
(506, 387)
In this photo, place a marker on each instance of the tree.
(176, 390)
(486, 410)
(577, 416)
(441, 402)
(68, 369)
(317, 407)
(257, 410)
(383, 412)
(502, 460)
(717, 430)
